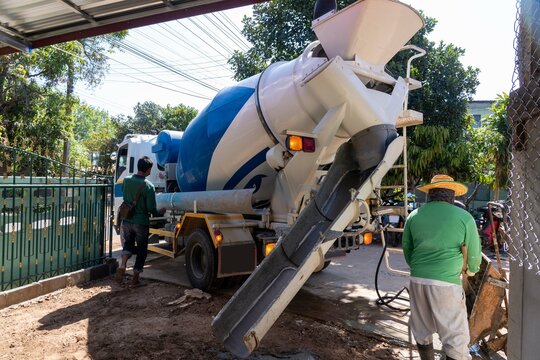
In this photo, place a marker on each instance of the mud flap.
(254, 308)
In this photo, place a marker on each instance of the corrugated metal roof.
(27, 24)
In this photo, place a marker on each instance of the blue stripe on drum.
(248, 167)
(203, 135)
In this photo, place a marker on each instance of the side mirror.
(113, 156)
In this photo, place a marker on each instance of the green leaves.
(489, 146)
(151, 118)
(36, 95)
(279, 31)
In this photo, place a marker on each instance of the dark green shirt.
(147, 200)
(432, 241)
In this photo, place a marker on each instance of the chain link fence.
(524, 117)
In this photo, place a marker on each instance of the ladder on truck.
(407, 118)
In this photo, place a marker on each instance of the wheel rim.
(199, 261)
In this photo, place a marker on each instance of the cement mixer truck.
(278, 167)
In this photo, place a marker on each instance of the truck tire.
(325, 265)
(201, 260)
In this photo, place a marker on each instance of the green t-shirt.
(432, 241)
(147, 200)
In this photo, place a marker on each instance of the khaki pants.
(441, 310)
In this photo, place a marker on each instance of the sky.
(185, 61)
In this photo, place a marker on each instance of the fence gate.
(55, 218)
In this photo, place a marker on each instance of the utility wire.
(192, 94)
(233, 35)
(211, 36)
(143, 54)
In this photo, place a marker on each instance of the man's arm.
(407, 241)
(474, 247)
(151, 200)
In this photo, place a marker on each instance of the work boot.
(426, 352)
(135, 281)
(120, 273)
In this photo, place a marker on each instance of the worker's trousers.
(442, 310)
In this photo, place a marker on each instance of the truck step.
(394, 230)
(351, 241)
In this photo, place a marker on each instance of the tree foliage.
(94, 139)
(36, 91)
(279, 31)
(151, 118)
(489, 145)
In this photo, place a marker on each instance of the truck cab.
(130, 150)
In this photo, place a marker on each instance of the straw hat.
(444, 182)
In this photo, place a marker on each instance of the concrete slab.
(350, 282)
(168, 270)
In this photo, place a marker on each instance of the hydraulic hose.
(387, 299)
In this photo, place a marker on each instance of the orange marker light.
(294, 142)
(368, 238)
(268, 248)
(218, 235)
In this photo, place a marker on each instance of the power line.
(232, 35)
(193, 94)
(143, 54)
(227, 19)
(211, 36)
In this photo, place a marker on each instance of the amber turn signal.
(218, 236)
(294, 142)
(368, 238)
(268, 248)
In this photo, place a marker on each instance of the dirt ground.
(104, 320)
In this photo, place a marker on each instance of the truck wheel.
(321, 268)
(200, 260)
(326, 264)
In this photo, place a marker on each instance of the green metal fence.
(54, 218)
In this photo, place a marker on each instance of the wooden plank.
(487, 312)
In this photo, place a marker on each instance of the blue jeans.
(135, 238)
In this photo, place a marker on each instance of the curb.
(46, 286)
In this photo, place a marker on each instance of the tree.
(94, 133)
(151, 118)
(25, 79)
(489, 145)
(280, 29)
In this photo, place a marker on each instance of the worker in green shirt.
(434, 239)
(135, 230)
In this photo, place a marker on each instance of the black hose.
(386, 300)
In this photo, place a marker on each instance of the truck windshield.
(121, 161)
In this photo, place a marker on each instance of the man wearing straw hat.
(434, 242)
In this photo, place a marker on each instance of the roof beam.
(79, 11)
(14, 42)
(129, 21)
(168, 3)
